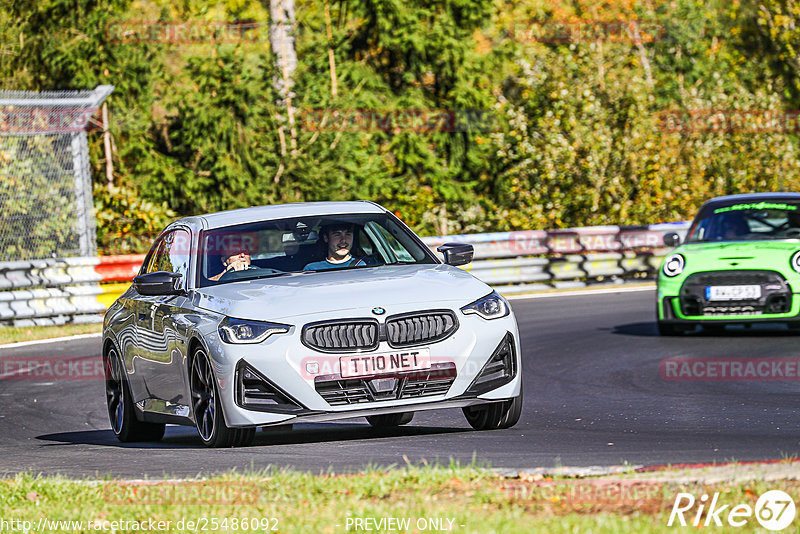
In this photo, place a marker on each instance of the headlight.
(243, 331)
(796, 261)
(673, 265)
(492, 306)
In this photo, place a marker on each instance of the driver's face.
(340, 241)
(240, 255)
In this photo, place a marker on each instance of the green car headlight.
(243, 331)
(673, 265)
(795, 262)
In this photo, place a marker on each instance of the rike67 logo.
(774, 510)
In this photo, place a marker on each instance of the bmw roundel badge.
(378, 310)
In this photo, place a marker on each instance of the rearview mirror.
(457, 253)
(158, 283)
(672, 239)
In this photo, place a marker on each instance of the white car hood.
(279, 298)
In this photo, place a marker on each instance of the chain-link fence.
(45, 184)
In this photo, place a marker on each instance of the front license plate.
(385, 362)
(733, 292)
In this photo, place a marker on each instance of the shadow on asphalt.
(177, 437)
(758, 330)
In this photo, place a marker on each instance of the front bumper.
(284, 360)
(688, 303)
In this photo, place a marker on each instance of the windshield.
(747, 222)
(306, 245)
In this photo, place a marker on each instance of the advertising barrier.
(79, 290)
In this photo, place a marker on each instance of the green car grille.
(776, 295)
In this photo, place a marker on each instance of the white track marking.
(52, 340)
(603, 291)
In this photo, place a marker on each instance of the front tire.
(389, 420)
(495, 416)
(207, 410)
(119, 402)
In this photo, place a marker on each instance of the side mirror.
(672, 239)
(158, 283)
(457, 253)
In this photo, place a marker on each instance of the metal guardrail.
(78, 290)
(536, 260)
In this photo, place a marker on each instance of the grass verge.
(14, 334)
(425, 499)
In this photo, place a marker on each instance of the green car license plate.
(744, 292)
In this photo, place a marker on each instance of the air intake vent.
(341, 336)
(500, 369)
(420, 327)
(255, 392)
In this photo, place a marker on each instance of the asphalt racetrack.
(594, 396)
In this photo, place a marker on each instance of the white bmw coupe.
(304, 312)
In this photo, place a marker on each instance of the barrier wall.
(78, 290)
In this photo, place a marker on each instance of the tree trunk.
(282, 21)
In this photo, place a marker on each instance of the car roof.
(751, 197)
(283, 211)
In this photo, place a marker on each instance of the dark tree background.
(548, 132)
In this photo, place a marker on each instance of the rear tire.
(495, 416)
(121, 412)
(207, 410)
(389, 420)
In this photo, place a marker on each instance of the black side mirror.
(672, 239)
(457, 253)
(158, 283)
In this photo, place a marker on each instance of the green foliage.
(576, 133)
(37, 198)
(125, 222)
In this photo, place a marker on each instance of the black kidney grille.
(342, 336)
(423, 327)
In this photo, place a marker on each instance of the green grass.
(13, 334)
(475, 499)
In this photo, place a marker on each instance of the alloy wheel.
(204, 402)
(115, 392)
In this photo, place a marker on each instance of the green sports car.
(739, 264)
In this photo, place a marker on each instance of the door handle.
(142, 316)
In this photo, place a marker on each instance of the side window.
(391, 246)
(172, 254)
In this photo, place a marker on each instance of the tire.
(207, 410)
(389, 420)
(495, 416)
(121, 412)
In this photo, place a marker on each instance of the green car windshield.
(747, 222)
